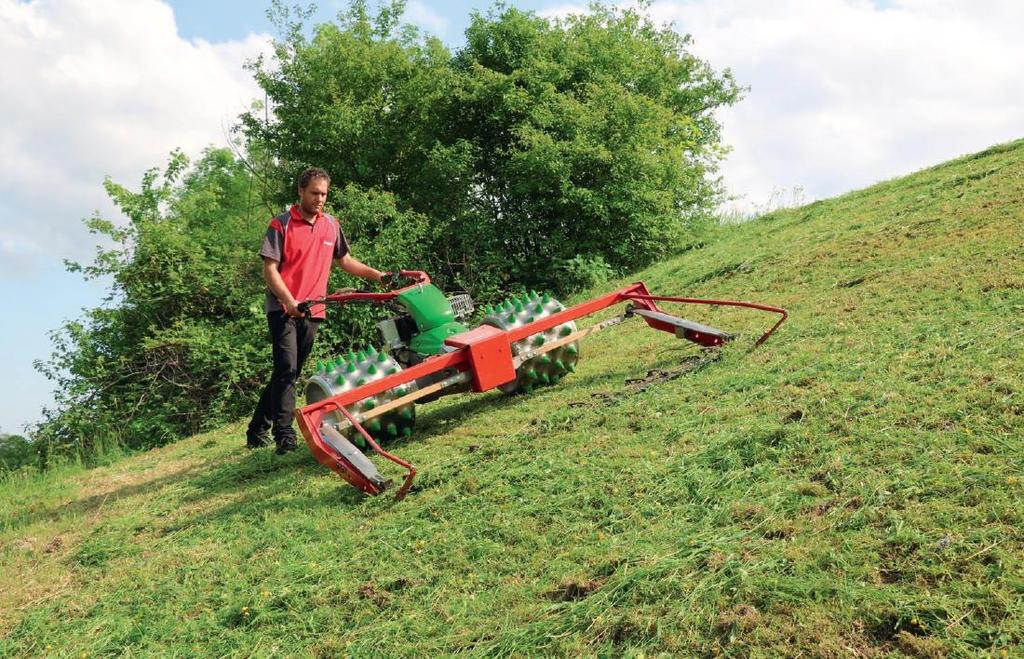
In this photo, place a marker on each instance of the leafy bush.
(178, 345)
(581, 272)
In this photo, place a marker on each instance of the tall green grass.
(853, 487)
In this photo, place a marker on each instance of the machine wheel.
(355, 370)
(549, 367)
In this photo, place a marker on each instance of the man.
(297, 252)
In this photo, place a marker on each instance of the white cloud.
(95, 88)
(566, 10)
(420, 14)
(844, 93)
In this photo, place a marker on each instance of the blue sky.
(843, 93)
(233, 19)
(219, 21)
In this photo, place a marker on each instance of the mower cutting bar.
(686, 329)
(648, 301)
(347, 450)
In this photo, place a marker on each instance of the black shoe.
(256, 440)
(285, 444)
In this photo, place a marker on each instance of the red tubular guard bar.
(311, 416)
(409, 468)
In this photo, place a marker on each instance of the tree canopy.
(540, 151)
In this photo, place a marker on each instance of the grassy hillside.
(852, 488)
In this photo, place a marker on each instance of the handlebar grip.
(303, 308)
(393, 279)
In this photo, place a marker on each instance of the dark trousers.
(292, 339)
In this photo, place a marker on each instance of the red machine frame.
(484, 354)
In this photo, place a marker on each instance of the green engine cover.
(431, 342)
(434, 318)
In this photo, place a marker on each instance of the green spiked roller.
(524, 309)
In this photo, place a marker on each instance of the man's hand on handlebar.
(391, 281)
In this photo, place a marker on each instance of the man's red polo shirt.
(304, 251)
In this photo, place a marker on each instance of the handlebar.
(393, 279)
(390, 279)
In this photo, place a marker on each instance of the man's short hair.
(312, 173)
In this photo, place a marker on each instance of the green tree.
(175, 347)
(539, 155)
(15, 451)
